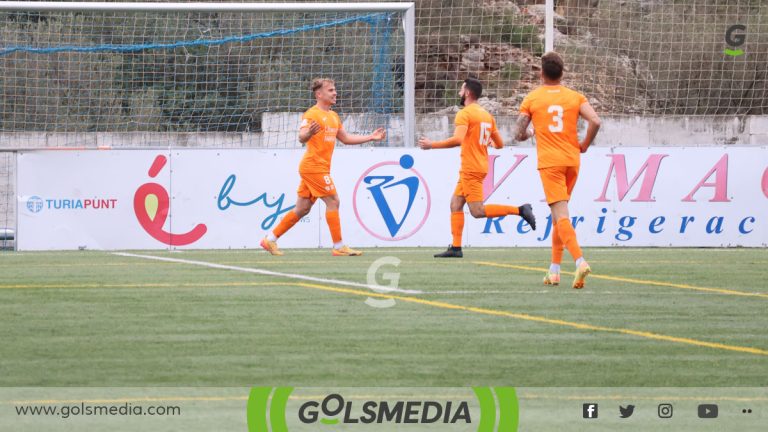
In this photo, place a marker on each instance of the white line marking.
(271, 273)
(485, 292)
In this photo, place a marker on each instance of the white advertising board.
(149, 199)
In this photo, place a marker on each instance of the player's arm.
(589, 114)
(496, 140)
(352, 139)
(521, 127)
(458, 136)
(308, 129)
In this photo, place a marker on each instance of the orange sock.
(557, 246)
(457, 227)
(568, 235)
(288, 221)
(496, 210)
(334, 224)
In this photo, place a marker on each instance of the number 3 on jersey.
(485, 134)
(557, 118)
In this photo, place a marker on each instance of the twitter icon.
(626, 412)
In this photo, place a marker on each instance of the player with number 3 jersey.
(554, 111)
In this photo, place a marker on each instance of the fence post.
(549, 26)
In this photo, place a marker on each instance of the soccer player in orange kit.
(319, 130)
(475, 131)
(554, 110)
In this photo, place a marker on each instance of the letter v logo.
(412, 183)
(389, 188)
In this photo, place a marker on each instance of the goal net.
(226, 75)
(667, 57)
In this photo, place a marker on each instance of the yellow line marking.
(224, 398)
(279, 261)
(131, 399)
(522, 394)
(527, 317)
(19, 266)
(149, 285)
(630, 280)
(131, 264)
(441, 305)
(289, 262)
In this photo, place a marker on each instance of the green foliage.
(524, 36)
(511, 72)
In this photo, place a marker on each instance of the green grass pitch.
(648, 317)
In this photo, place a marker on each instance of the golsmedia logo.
(269, 410)
(334, 410)
(735, 37)
(399, 193)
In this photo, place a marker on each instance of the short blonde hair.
(318, 83)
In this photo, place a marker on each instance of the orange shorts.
(316, 185)
(470, 186)
(558, 182)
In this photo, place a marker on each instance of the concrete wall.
(641, 131)
(7, 196)
(280, 132)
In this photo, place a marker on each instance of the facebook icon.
(589, 410)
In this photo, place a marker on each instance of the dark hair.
(474, 86)
(552, 65)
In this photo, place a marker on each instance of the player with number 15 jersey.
(475, 131)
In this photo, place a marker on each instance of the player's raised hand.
(314, 128)
(379, 134)
(425, 143)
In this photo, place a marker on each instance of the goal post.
(163, 68)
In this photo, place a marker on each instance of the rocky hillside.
(647, 57)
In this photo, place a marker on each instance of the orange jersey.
(554, 111)
(320, 146)
(474, 148)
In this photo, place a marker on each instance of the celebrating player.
(320, 128)
(554, 110)
(475, 131)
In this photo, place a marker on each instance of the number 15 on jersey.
(485, 134)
